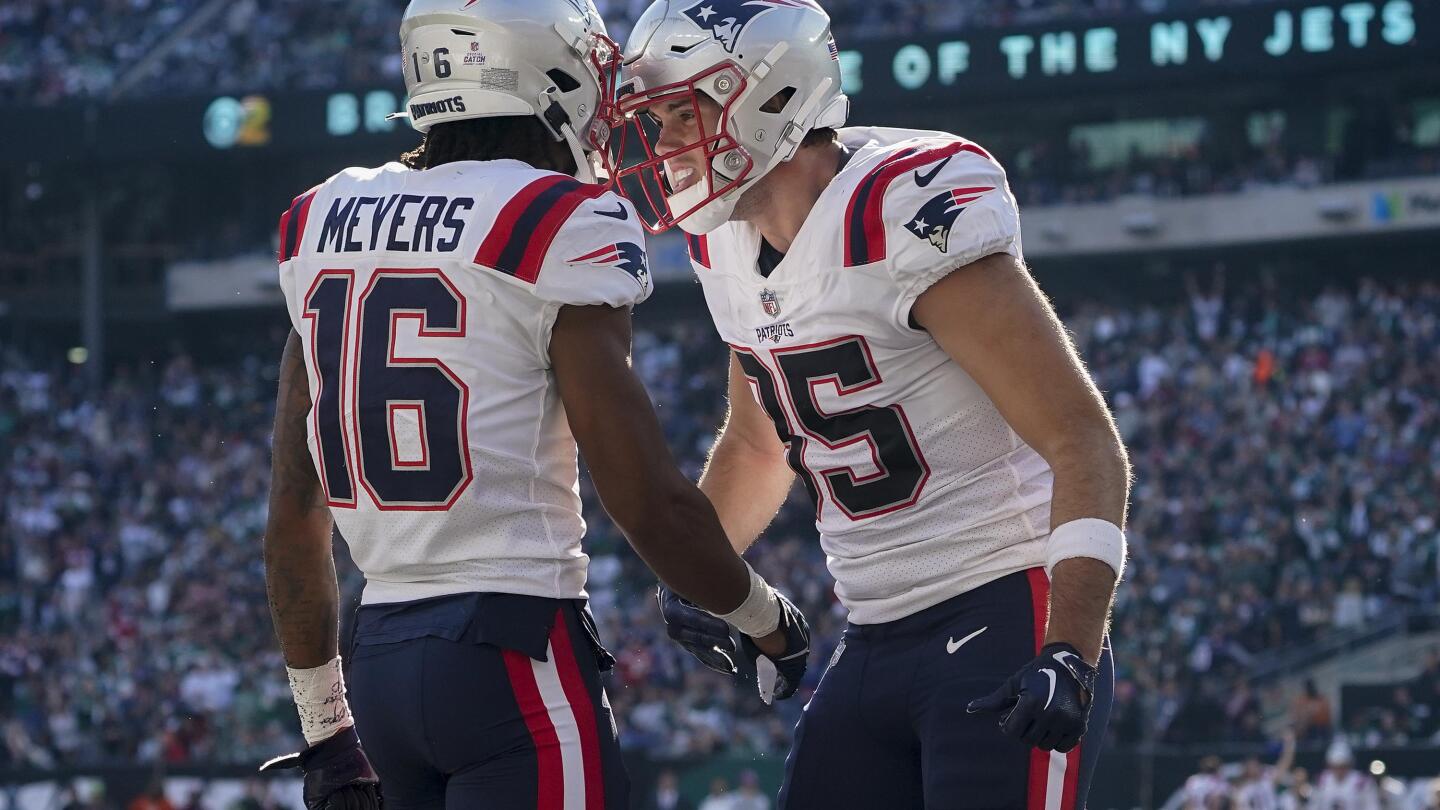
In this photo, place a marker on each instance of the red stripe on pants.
(584, 708)
(1039, 760)
(550, 775)
(1072, 778)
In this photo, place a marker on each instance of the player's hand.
(702, 635)
(778, 674)
(338, 776)
(1047, 703)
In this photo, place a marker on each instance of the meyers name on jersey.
(406, 222)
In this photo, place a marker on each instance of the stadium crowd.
(1284, 445)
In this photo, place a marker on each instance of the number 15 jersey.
(424, 301)
(922, 490)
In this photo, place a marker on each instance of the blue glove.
(338, 775)
(702, 635)
(779, 677)
(1047, 703)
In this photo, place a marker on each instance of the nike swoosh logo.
(620, 214)
(1060, 658)
(923, 180)
(951, 645)
(1051, 673)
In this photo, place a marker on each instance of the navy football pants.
(887, 726)
(460, 725)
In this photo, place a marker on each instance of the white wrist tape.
(320, 699)
(1087, 537)
(759, 614)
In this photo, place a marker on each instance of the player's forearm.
(299, 566)
(1092, 480)
(746, 486)
(304, 601)
(676, 536)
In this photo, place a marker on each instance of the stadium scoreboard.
(1288, 39)
(997, 63)
(1228, 41)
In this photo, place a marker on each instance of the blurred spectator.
(749, 797)
(1341, 786)
(1311, 714)
(719, 797)
(667, 794)
(1204, 789)
(152, 799)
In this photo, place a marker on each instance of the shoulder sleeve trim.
(292, 225)
(865, 215)
(527, 225)
(699, 247)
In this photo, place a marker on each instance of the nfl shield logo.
(771, 302)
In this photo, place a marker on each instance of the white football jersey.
(922, 490)
(1347, 790)
(424, 301)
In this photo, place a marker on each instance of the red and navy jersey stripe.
(699, 246)
(865, 214)
(292, 225)
(526, 226)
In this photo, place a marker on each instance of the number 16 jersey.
(424, 301)
(922, 490)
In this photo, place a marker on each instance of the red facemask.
(636, 162)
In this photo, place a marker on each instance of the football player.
(461, 323)
(890, 348)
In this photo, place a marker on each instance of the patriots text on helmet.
(444, 105)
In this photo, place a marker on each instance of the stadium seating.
(1286, 441)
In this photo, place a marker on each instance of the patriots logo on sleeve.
(627, 256)
(726, 19)
(935, 218)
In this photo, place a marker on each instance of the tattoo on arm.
(299, 566)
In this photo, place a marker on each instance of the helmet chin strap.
(558, 122)
(584, 166)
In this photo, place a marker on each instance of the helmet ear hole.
(778, 102)
(564, 82)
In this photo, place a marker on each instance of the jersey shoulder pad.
(928, 206)
(293, 221)
(292, 224)
(599, 257)
(571, 242)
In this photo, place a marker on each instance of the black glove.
(702, 635)
(337, 774)
(1047, 703)
(779, 677)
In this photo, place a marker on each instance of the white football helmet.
(479, 58)
(771, 65)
